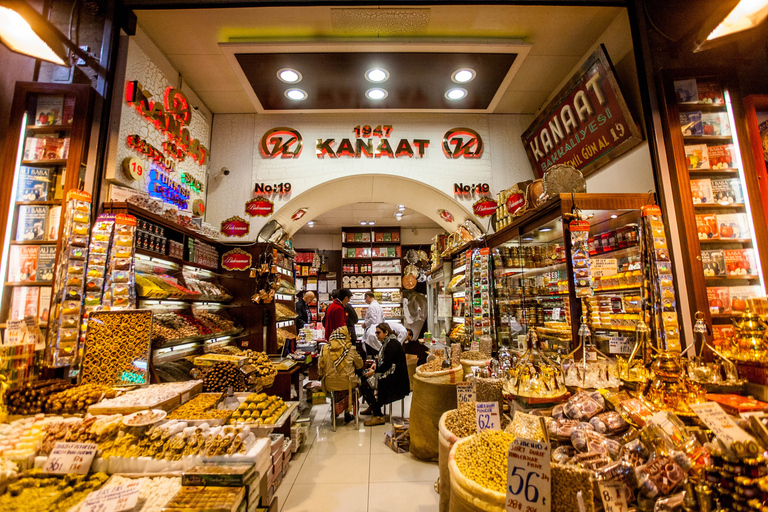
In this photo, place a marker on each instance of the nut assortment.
(202, 407)
(483, 459)
(473, 355)
(37, 491)
(77, 399)
(462, 422)
(173, 326)
(221, 376)
(436, 365)
(259, 409)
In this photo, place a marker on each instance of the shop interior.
(210, 260)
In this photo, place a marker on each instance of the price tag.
(70, 458)
(475, 345)
(603, 267)
(465, 392)
(14, 332)
(556, 313)
(529, 477)
(591, 354)
(621, 345)
(113, 499)
(612, 494)
(487, 415)
(722, 425)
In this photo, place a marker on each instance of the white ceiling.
(383, 214)
(560, 36)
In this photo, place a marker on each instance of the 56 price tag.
(487, 415)
(528, 476)
(113, 499)
(465, 392)
(612, 494)
(70, 458)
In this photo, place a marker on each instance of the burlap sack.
(430, 400)
(466, 495)
(451, 376)
(446, 440)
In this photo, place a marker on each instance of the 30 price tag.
(70, 458)
(465, 392)
(529, 476)
(621, 345)
(475, 345)
(612, 494)
(113, 499)
(487, 415)
(556, 313)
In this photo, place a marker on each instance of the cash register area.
(354, 471)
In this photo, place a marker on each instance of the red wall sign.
(445, 215)
(586, 125)
(299, 213)
(235, 226)
(484, 207)
(259, 207)
(236, 259)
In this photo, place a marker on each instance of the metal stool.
(389, 409)
(355, 395)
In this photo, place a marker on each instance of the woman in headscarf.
(338, 361)
(388, 376)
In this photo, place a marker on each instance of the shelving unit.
(723, 242)
(52, 162)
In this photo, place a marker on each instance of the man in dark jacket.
(302, 309)
(336, 315)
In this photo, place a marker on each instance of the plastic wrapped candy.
(609, 422)
(558, 412)
(562, 428)
(563, 454)
(659, 477)
(583, 406)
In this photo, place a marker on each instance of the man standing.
(374, 316)
(302, 309)
(336, 315)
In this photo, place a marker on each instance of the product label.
(529, 476)
(465, 392)
(487, 415)
(475, 345)
(621, 345)
(721, 424)
(556, 314)
(70, 458)
(612, 495)
(113, 499)
(603, 267)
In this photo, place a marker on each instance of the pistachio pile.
(473, 355)
(436, 365)
(483, 459)
(462, 422)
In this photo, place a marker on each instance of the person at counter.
(302, 309)
(336, 314)
(387, 380)
(374, 315)
(415, 347)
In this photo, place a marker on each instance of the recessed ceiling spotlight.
(527, 238)
(401, 206)
(377, 75)
(311, 223)
(462, 76)
(614, 216)
(371, 222)
(363, 223)
(544, 230)
(296, 94)
(289, 76)
(376, 94)
(399, 217)
(456, 93)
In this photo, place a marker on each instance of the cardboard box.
(319, 398)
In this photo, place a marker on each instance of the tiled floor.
(354, 471)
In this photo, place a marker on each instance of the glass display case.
(716, 190)
(536, 287)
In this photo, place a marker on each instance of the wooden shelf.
(157, 219)
(48, 129)
(707, 138)
(356, 244)
(34, 242)
(725, 241)
(740, 278)
(720, 206)
(178, 261)
(30, 283)
(704, 107)
(39, 203)
(44, 162)
(727, 170)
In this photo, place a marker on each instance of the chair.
(355, 395)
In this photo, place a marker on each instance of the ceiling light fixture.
(376, 94)
(527, 238)
(311, 223)
(363, 223)
(747, 14)
(371, 222)
(296, 94)
(401, 208)
(377, 75)
(614, 216)
(289, 76)
(456, 93)
(24, 30)
(462, 76)
(544, 230)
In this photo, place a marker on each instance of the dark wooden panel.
(337, 80)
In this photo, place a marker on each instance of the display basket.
(267, 380)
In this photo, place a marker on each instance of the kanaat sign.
(587, 124)
(370, 142)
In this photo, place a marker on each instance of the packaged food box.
(727, 191)
(740, 262)
(719, 299)
(701, 191)
(697, 156)
(220, 474)
(721, 157)
(733, 225)
(714, 263)
(707, 227)
(690, 123)
(206, 499)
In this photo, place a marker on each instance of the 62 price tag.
(487, 415)
(70, 458)
(612, 494)
(528, 476)
(113, 499)
(465, 392)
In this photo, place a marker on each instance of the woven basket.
(267, 381)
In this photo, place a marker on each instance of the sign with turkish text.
(235, 226)
(465, 392)
(613, 496)
(487, 416)
(259, 207)
(116, 498)
(236, 259)
(586, 125)
(603, 267)
(484, 207)
(529, 476)
(722, 425)
(70, 458)
(620, 345)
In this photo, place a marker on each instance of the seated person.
(415, 347)
(336, 367)
(387, 380)
(400, 331)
